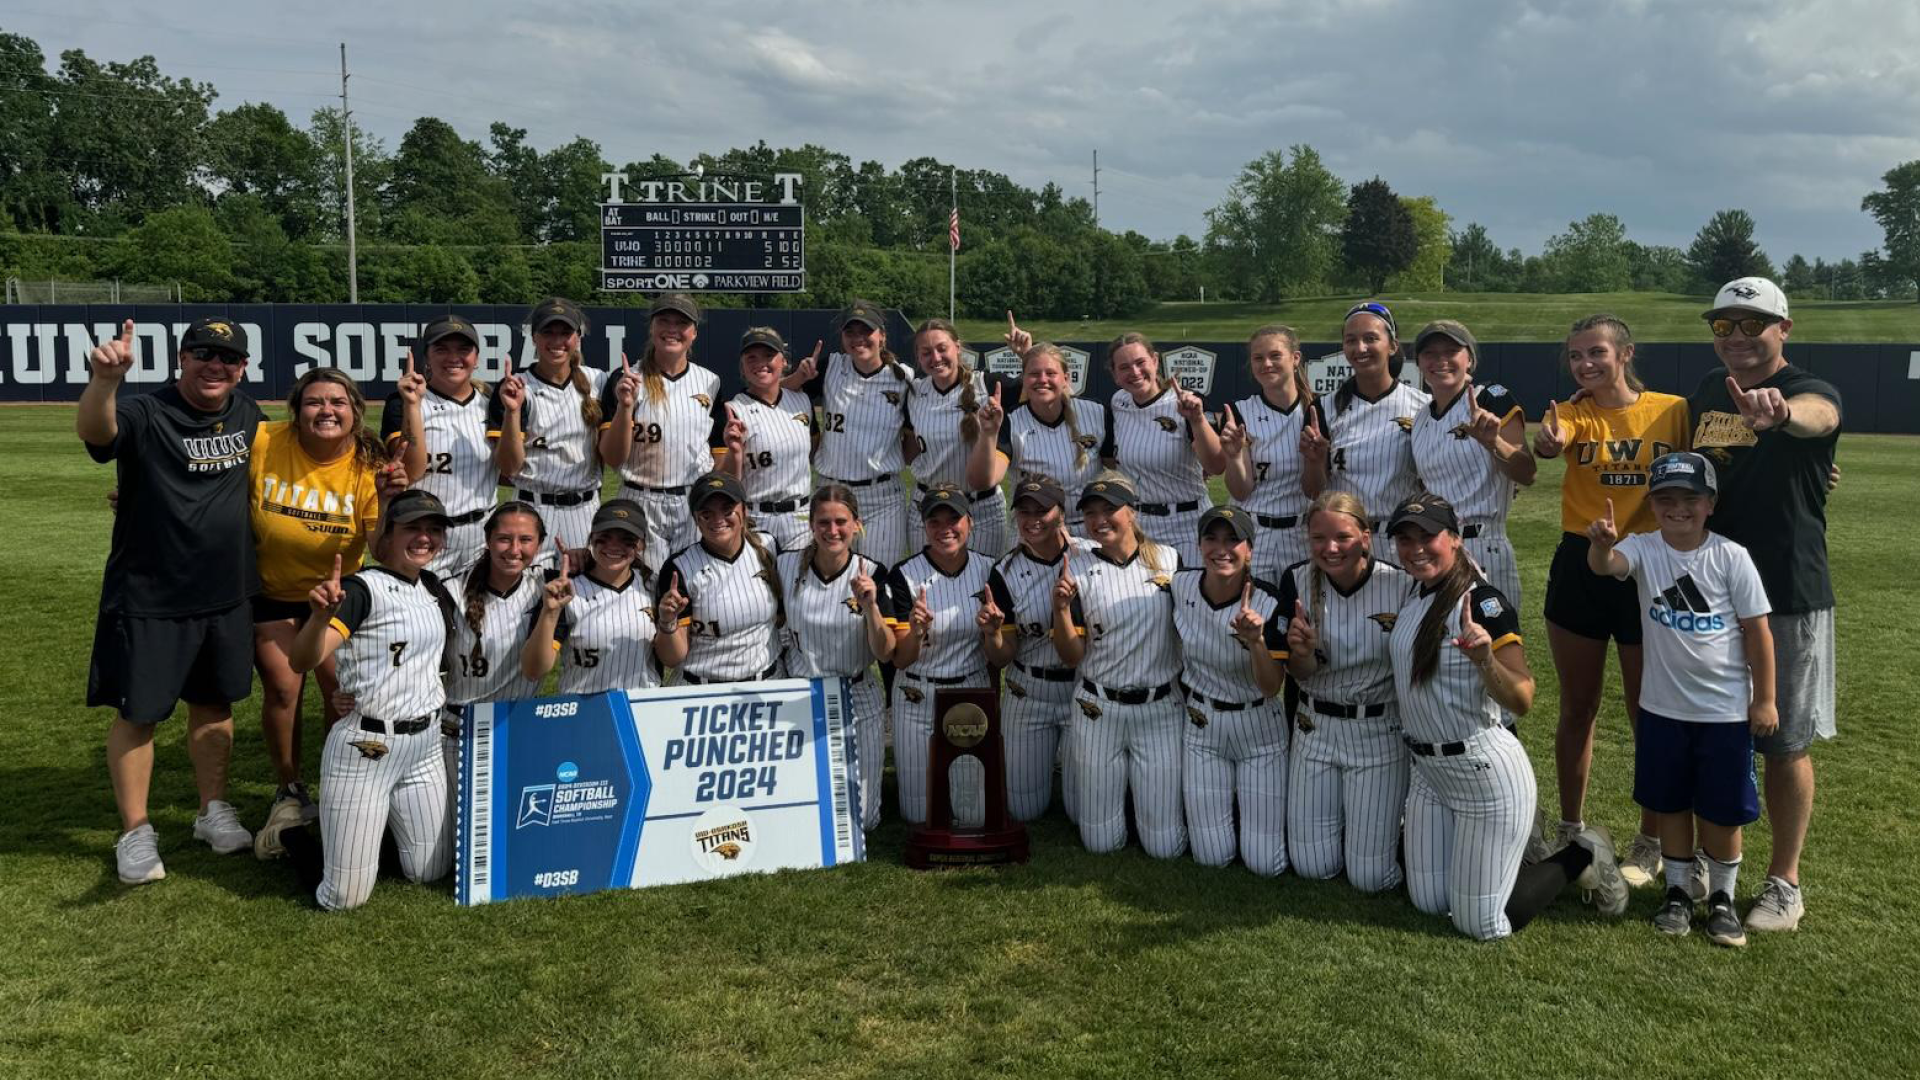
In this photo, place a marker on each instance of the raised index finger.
(1246, 594)
(126, 333)
(336, 568)
(1466, 610)
(560, 549)
(409, 363)
(625, 367)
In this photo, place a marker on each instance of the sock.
(1679, 872)
(1571, 827)
(1721, 876)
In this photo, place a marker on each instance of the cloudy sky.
(1519, 115)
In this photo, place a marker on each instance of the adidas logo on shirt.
(1681, 607)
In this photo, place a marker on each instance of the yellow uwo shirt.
(305, 513)
(1607, 455)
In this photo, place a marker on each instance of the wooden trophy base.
(954, 849)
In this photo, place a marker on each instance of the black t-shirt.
(182, 539)
(1773, 489)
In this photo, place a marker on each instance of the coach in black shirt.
(175, 622)
(1770, 429)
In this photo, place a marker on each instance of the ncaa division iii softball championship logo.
(723, 840)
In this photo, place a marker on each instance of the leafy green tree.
(371, 168)
(440, 191)
(1478, 264)
(505, 276)
(129, 141)
(424, 274)
(183, 244)
(1378, 238)
(1277, 232)
(1660, 269)
(1897, 210)
(254, 150)
(1434, 251)
(1591, 256)
(1797, 277)
(1724, 249)
(34, 195)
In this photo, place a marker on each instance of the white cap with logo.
(1755, 294)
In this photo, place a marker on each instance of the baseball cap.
(714, 485)
(1110, 488)
(1236, 519)
(415, 505)
(557, 309)
(1447, 328)
(1429, 511)
(1044, 490)
(447, 326)
(763, 335)
(675, 301)
(216, 332)
(1682, 469)
(945, 495)
(860, 311)
(1755, 294)
(622, 514)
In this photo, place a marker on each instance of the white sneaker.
(1697, 883)
(1642, 865)
(1537, 849)
(1609, 890)
(1778, 907)
(286, 813)
(220, 827)
(138, 853)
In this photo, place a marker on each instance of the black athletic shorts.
(1597, 606)
(144, 667)
(268, 610)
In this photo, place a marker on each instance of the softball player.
(1113, 619)
(437, 424)
(943, 413)
(1049, 433)
(601, 619)
(382, 767)
(1231, 632)
(499, 596)
(862, 393)
(664, 425)
(837, 627)
(544, 424)
(769, 437)
(723, 590)
(1162, 440)
(1347, 777)
(1610, 438)
(1037, 694)
(1457, 663)
(935, 599)
(1267, 474)
(1369, 441)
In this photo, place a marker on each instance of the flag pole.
(953, 239)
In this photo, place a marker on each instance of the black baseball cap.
(447, 326)
(557, 309)
(763, 335)
(415, 504)
(1044, 490)
(1430, 512)
(860, 311)
(1685, 470)
(945, 495)
(216, 332)
(677, 302)
(1447, 328)
(622, 514)
(1110, 488)
(1236, 519)
(713, 485)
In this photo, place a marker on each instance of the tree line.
(116, 170)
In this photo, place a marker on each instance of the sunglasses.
(1752, 326)
(205, 355)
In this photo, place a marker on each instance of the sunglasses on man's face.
(205, 355)
(1752, 327)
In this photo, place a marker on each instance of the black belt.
(398, 727)
(1128, 697)
(856, 483)
(1164, 510)
(469, 517)
(1267, 522)
(1468, 532)
(694, 680)
(936, 680)
(1220, 706)
(1046, 674)
(784, 506)
(558, 498)
(680, 490)
(972, 496)
(1441, 749)
(1344, 710)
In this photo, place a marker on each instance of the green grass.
(1074, 965)
(1491, 316)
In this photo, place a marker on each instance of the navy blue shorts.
(1679, 765)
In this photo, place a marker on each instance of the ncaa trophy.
(966, 722)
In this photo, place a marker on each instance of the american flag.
(953, 228)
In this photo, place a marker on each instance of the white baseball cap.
(1755, 294)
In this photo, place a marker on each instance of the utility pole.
(1096, 189)
(346, 128)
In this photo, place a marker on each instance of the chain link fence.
(20, 291)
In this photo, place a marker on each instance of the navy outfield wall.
(43, 350)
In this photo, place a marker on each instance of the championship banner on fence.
(625, 790)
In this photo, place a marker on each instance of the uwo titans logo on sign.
(614, 790)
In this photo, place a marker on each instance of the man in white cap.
(1770, 429)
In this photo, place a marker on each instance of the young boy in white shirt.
(1706, 689)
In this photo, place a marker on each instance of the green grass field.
(1491, 316)
(1074, 965)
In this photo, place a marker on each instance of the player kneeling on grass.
(1457, 662)
(389, 625)
(1707, 689)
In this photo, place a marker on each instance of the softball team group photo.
(1323, 674)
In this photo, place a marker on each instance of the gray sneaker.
(1723, 926)
(1609, 891)
(1676, 915)
(138, 853)
(1778, 907)
(220, 827)
(283, 815)
(1641, 865)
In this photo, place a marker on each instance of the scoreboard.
(702, 247)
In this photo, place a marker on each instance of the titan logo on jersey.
(371, 749)
(852, 604)
(1405, 422)
(800, 418)
(1198, 718)
(1460, 431)
(1162, 581)
(912, 695)
(1166, 423)
(892, 396)
(1014, 688)
(1087, 442)
(1386, 619)
(705, 401)
(1091, 711)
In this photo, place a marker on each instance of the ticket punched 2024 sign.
(625, 790)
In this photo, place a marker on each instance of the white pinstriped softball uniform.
(494, 673)
(1454, 466)
(1469, 810)
(826, 637)
(731, 616)
(605, 637)
(1278, 503)
(777, 467)
(1231, 755)
(1370, 452)
(1347, 781)
(1126, 612)
(1036, 448)
(391, 661)
(673, 445)
(459, 467)
(1036, 700)
(562, 454)
(1153, 445)
(935, 418)
(951, 657)
(860, 420)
